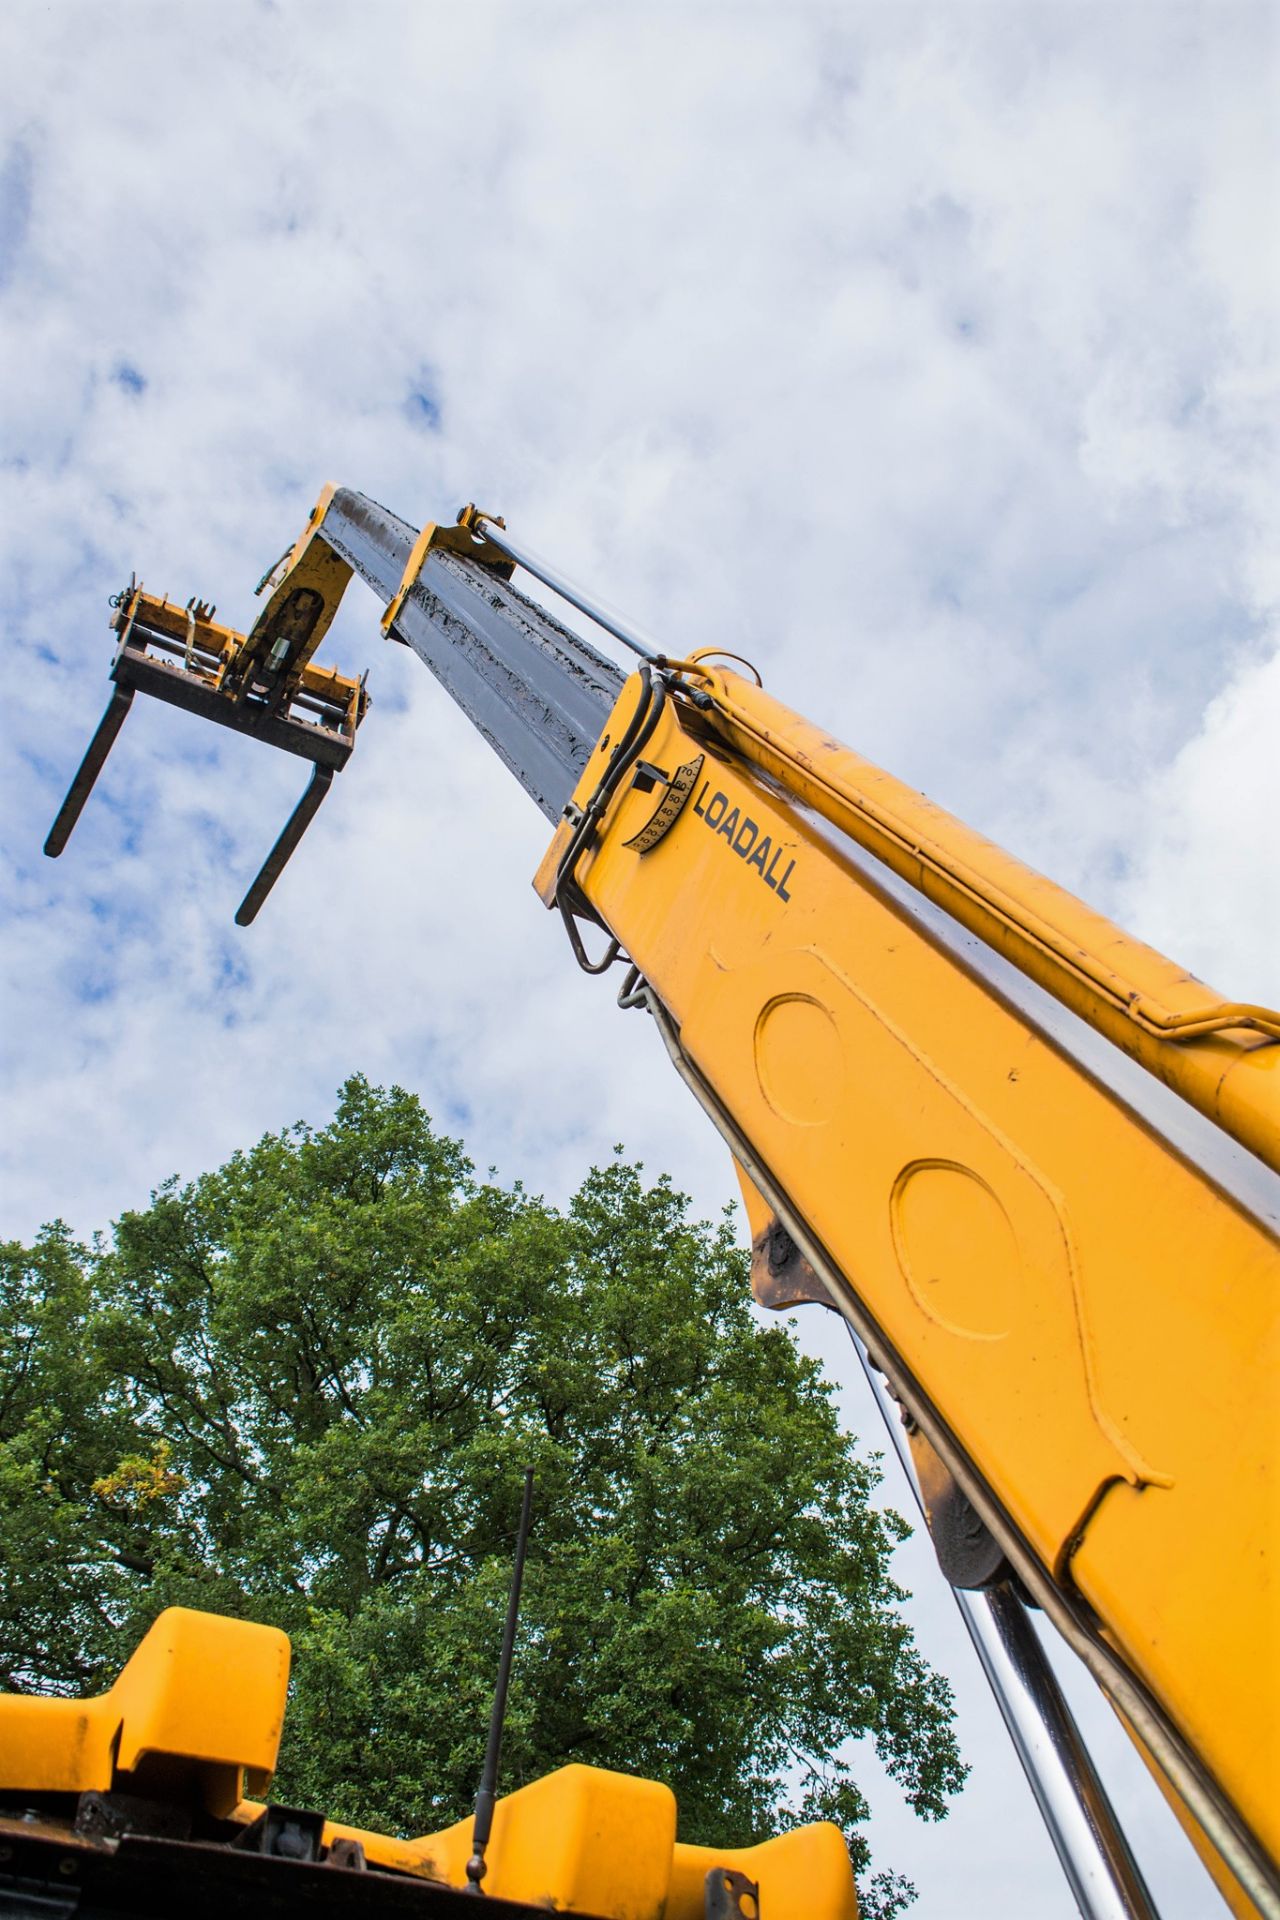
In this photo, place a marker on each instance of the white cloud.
(923, 353)
(1207, 871)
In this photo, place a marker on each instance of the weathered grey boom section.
(538, 693)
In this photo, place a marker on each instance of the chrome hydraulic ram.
(1087, 1838)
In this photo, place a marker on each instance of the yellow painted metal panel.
(198, 1688)
(55, 1746)
(1125, 988)
(316, 574)
(586, 1840)
(205, 1687)
(1092, 1318)
(581, 1839)
(800, 1875)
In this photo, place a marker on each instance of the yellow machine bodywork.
(304, 590)
(306, 587)
(201, 1690)
(220, 656)
(1085, 1322)
(587, 1840)
(203, 1700)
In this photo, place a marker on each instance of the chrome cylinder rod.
(597, 610)
(1101, 1871)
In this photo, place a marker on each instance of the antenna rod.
(487, 1794)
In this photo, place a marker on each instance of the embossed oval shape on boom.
(957, 1248)
(799, 1058)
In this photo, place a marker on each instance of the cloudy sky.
(925, 354)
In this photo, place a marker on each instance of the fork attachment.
(263, 684)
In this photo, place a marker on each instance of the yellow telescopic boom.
(1032, 1163)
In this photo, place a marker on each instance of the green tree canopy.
(304, 1389)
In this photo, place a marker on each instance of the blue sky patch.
(15, 207)
(423, 406)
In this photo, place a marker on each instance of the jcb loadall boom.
(1034, 1165)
